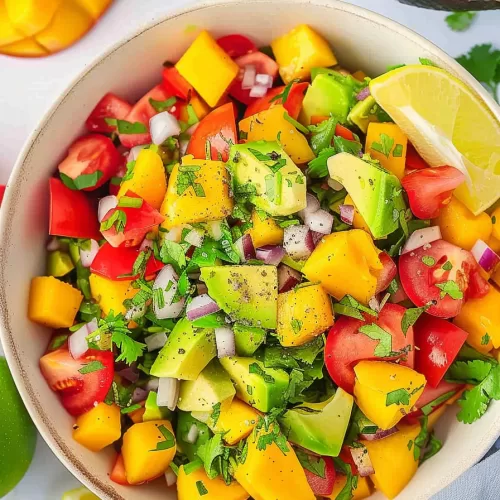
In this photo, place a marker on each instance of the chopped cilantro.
(472, 371)
(162, 105)
(82, 181)
(317, 167)
(296, 325)
(349, 306)
(322, 135)
(485, 339)
(410, 317)
(91, 367)
(286, 91)
(187, 178)
(274, 436)
(202, 490)
(173, 253)
(125, 127)
(450, 288)
(427, 62)
(346, 146)
(130, 202)
(447, 266)
(493, 219)
(384, 346)
(270, 187)
(130, 409)
(256, 369)
(118, 219)
(312, 463)
(397, 151)
(130, 171)
(295, 123)
(384, 146)
(460, 21)
(429, 407)
(168, 439)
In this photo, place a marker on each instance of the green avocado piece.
(187, 351)
(153, 411)
(366, 111)
(17, 433)
(59, 263)
(267, 177)
(184, 423)
(376, 192)
(263, 388)
(247, 339)
(212, 386)
(319, 427)
(247, 294)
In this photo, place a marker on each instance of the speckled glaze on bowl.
(361, 39)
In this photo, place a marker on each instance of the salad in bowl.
(269, 277)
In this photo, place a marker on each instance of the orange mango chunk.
(265, 232)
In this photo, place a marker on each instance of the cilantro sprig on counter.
(460, 21)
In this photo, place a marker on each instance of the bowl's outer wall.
(361, 40)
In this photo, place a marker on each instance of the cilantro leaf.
(313, 464)
(411, 316)
(168, 441)
(428, 260)
(483, 63)
(485, 339)
(91, 367)
(256, 369)
(202, 490)
(296, 325)
(209, 452)
(82, 181)
(162, 105)
(322, 135)
(460, 21)
(384, 346)
(274, 436)
(429, 407)
(398, 397)
(384, 146)
(125, 127)
(317, 167)
(118, 219)
(472, 371)
(433, 446)
(351, 481)
(450, 288)
(173, 253)
(346, 146)
(286, 91)
(215, 413)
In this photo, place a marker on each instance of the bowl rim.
(36, 408)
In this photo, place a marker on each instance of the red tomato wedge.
(110, 106)
(263, 65)
(2, 192)
(176, 84)
(79, 392)
(114, 185)
(263, 103)
(116, 263)
(91, 153)
(388, 272)
(72, 214)
(118, 474)
(430, 189)
(346, 457)
(138, 222)
(345, 345)
(413, 160)
(425, 281)
(219, 128)
(344, 132)
(236, 45)
(322, 486)
(437, 344)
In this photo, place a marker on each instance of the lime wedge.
(80, 494)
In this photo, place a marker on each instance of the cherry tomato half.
(322, 486)
(176, 84)
(388, 272)
(110, 106)
(413, 160)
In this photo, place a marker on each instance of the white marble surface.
(28, 87)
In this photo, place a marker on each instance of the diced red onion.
(170, 477)
(129, 373)
(105, 205)
(320, 221)
(171, 309)
(311, 207)
(287, 278)
(162, 126)
(421, 237)
(77, 341)
(192, 434)
(183, 145)
(201, 288)
(264, 80)
(362, 460)
(201, 306)
(195, 238)
(139, 394)
(155, 341)
(298, 242)
(152, 384)
(245, 248)
(270, 254)
(53, 244)
(168, 392)
(88, 256)
(258, 91)
(224, 339)
(347, 214)
(316, 237)
(192, 128)
(134, 152)
(363, 94)
(335, 185)
(146, 244)
(380, 434)
(248, 80)
(485, 256)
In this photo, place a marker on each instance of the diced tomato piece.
(430, 189)
(263, 103)
(116, 263)
(138, 222)
(322, 485)
(218, 127)
(421, 271)
(293, 103)
(263, 65)
(346, 457)
(176, 84)
(2, 192)
(79, 392)
(344, 132)
(388, 272)
(110, 106)
(413, 160)
(91, 153)
(118, 474)
(72, 214)
(346, 345)
(318, 119)
(115, 181)
(236, 45)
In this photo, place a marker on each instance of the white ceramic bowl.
(361, 40)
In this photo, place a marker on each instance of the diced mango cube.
(94, 7)
(99, 427)
(358, 222)
(110, 294)
(31, 16)
(207, 68)
(265, 232)
(300, 50)
(362, 490)
(52, 302)
(200, 108)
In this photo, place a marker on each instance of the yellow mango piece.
(141, 458)
(303, 314)
(345, 263)
(271, 123)
(52, 302)
(94, 7)
(495, 220)
(69, 23)
(8, 34)
(207, 68)
(362, 490)
(31, 16)
(212, 180)
(480, 318)
(387, 143)
(300, 50)
(265, 232)
(393, 460)
(200, 108)
(24, 48)
(270, 474)
(99, 427)
(149, 179)
(461, 227)
(385, 392)
(358, 222)
(236, 421)
(110, 294)
(194, 485)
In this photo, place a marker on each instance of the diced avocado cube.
(247, 294)
(184, 423)
(59, 264)
(153, 411)
(366, 111)
(247, 339)
(261, 387)
(187, 351)
(267, 177)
